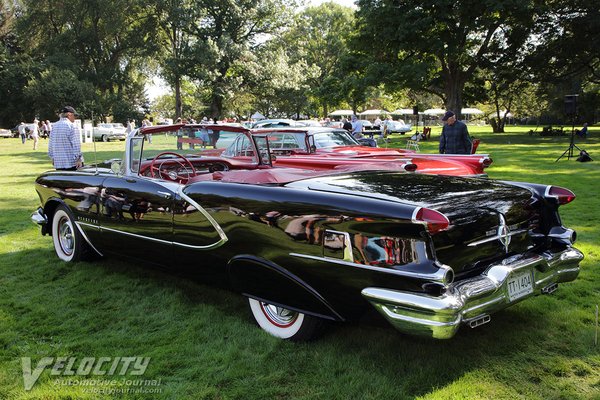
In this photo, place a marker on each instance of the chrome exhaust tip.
(478, 321)
(563, 235)
(551, 288)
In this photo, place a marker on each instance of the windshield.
(334, 139)
(186, 141)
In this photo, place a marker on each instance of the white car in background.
(6, 133)
(396, 127)
(109, 131)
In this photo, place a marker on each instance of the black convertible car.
(430, 253)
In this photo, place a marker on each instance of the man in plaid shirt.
(64, 147)
(455, 136)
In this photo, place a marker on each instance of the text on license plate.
(520, 285)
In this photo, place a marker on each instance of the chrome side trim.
(151, 239)
(443, 275)
(470, 299)
(496, 237)
(77, 224)
(209, 217)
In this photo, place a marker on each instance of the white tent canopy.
(471, 111)
(373, 112)
(434, 111)
(257, 115)
(341, 113)
(502, 112)
(403, 111)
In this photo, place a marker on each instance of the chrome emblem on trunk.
(503, 233)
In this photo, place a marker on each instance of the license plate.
(520, 285)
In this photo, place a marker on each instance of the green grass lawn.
(201, 340)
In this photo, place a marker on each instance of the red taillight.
(487, 161)
(562, 195)
(410, 167)
(434, 221)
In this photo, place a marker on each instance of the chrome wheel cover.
(65, 236)
(279, 316)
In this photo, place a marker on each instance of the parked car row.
(388, 125)
(428, 252)
(104, 132)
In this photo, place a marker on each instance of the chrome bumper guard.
(38, 217)
(473, 299)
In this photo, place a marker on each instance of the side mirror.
(115, 167)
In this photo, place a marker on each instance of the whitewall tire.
(68, 241)
(283, 323)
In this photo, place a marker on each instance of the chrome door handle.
(166, 195)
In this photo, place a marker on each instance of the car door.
(136, 218)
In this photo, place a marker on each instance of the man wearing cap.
(64, 147)
(455, 136)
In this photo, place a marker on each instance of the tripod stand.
(569, 151)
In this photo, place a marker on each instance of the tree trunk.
(497, 122)
(216, 105)
(453, 89)
(178, 103)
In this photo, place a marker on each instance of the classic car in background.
(395, 127)
(275, 123)
(109, 131)
(6, 133)
(430, 253)
(327, 148)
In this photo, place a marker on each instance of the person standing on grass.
(64, 146)
(357, 127)
(22, 132)
(455, 137)
(35, 135)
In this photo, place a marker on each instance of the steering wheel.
(177, 174)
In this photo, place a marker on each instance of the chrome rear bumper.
(472, 300)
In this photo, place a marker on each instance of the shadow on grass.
(112, 307)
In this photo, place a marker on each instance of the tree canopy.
(226, 57)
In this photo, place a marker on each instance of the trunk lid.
(488, 219)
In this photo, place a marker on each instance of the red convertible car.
(328, 148)
(430, 253)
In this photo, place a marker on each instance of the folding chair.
(426, 133)
(413, 142)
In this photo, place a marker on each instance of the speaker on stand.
(416, 116)
(570, 112)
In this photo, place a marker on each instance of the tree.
(319, 38)
(437, 46)
(571, 32)
(175, 18)
(277, 85)
(567, 61)
(98, 43)
(225, 33)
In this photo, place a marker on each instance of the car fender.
(49, 210)
(266, 281)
